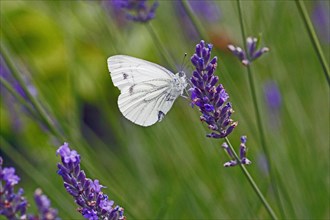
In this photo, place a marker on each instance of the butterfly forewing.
(145, 89)
(126, 70)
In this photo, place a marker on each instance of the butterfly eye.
(181, 74)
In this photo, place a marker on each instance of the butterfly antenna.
(189, 84)
(182, 63)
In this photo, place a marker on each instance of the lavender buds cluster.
(211, 99)
(86, 192)
(14, 205)
(252, 51)
(242, 154)
(46, 212)
(137, 10)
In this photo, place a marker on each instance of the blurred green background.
(169, 170)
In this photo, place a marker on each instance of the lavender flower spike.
(243, 150)
(252, 52)
(209, 97)
(243, 158)
(12, 205)
(232, 162)
(86, 192)
(137, 10)
(44, 209)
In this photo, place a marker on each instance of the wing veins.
(154, 102)
(141, 100)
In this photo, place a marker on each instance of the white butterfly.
(148, 90)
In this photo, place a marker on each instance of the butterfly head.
(181, 74)
(181, 81)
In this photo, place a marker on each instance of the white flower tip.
(247, 161)
(227, 164)
(239, 49)
(231, 47)
(265, 49)
(224, 145)
(245, 62)
(249, 40)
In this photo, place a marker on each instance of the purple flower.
(273, 99)
(251, 53)
(12, 205)
(321, 20)
(86, 192)
(9, 176)
(44, 209)
(262, 164)
(136, 10)
(272, 95)
(90, 214)
(230, 163)
(242, 155)
(243, 150)
(207, 10)
(67, 155)
(208, 96)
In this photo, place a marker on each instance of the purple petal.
(208, 107)
(230, 163)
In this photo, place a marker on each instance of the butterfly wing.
(145, 89)
(126, 71)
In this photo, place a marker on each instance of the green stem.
(251, 181)
(258, 116)
(159, 44)
(312, 35)
(198, 26)
(31, 98)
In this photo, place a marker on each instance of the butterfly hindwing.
(143, 107)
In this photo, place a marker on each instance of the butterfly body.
(148, 90)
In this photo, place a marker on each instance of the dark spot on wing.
(125, 76)
(169, 97)
(161, 115)
(130, 90)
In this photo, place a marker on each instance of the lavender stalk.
(210, 98)
(258, 117)
(216, 111)
(93, 203)
(252, 182)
